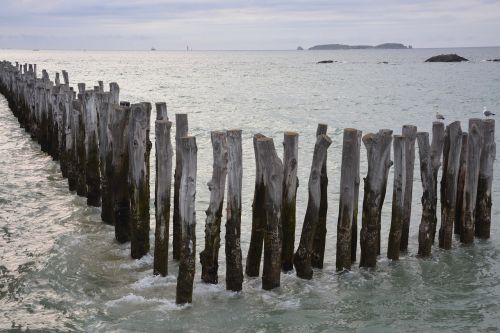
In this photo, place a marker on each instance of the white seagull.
(487, 113)
(439, 116)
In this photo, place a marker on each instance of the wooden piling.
(357, 181)
(181, 130)
(461, 185)
(139, 148)
(398, 196)
(378, 147)
(474, 148)
(436, 153)
(234, 266)
(428, 195)
(209, 257)
(185, 278)
(449, 182)
(93, 177)
(161, 111)
(318, 251)
(410, 133)
(259, 221)
(348, 177)
(302, 257)
(81, 154)
(484, 186)
(290, 185)
(163, 185)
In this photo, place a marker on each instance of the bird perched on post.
(439, 116)
(487, 113)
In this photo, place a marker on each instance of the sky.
(245, 25)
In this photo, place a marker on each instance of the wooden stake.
(104, 107)
(460, 185)
(410, 133)
(161, 111)
(93, 176)
(181, 130)
(436, 153)
(354, 225)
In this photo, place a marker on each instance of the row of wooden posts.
(103, 147)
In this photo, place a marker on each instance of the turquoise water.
(61, 270)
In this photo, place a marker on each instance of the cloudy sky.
(250, 24)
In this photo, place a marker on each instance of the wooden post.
(81, 154)
(272, 171)
(138, 150)
(181, 130)
(318, 252)
(164, 153)
(410, 133)
(209, 257)
(93, 176)
(65, 77)
(461, 185)
(378, 147)
(104, 106)
(302, 257)
(119, 141)
(290, 185)
(451, 164)
(475, 145)
(185, 278)
(428, 195)
(259, 221)
(398, 196)
(161, 111)
(234, 266)
(484, 186)
(436, 153)
(354, 226)
(348, 175)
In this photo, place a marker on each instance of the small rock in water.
(494, 60)
(383, 62)
(446, 58)
(325, 62)
(300, 48)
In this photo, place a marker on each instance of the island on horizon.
(360, 47)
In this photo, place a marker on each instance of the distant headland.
(360, 47)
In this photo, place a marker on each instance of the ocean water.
(61, 270)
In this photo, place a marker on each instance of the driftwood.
(209, 257)
(348, 175)
(272, 169)
(303, 255)
(138, 150)
(449, 182)
(259, 221)
(398, 196)
(461, 185)
(318, 251)
(187, 212)
(475, 145)
(163, 184)
(410, 133)
(234, 266)
(428, 195)
(484, 186)
(378, 148)
(181, 130)
(436, 153)
(288, 209)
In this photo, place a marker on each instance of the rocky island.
(391, 46)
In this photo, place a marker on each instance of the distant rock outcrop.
(494, 60)
(446, 58)
(325, 62)
(358, 47)
(300, 48)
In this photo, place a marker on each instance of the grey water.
(61, 270)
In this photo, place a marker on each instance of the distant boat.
(153, 49)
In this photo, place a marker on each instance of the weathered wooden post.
(234, 266)
(436, 153)
(290, 185)
(348, 175)
(410, 133)
(161, 111)
(164, 153)
(318, 251)
(181, 130)
(272, 172)
(461, 185)
(138, 150)
(80, 150)
(119, 141)
(103, 108)
(475, 145)
(93, 176)
(378, 147)
(398, 196)
(428, 195)
(302, 257)
(484, 186)
(185, 278)
(357, 181)
(451, 164)
(209, 257)
(259, 221)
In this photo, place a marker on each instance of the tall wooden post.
(410, 133)
(104, 107)
(93, 177)
(185, 278)
(181, 130)
(303, 255)
(461, 185)
(436, 153)
(209, 257)
(357, 181)
(81, 154)
(161, 111)
(378, 147)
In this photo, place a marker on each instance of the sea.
(62, 271)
